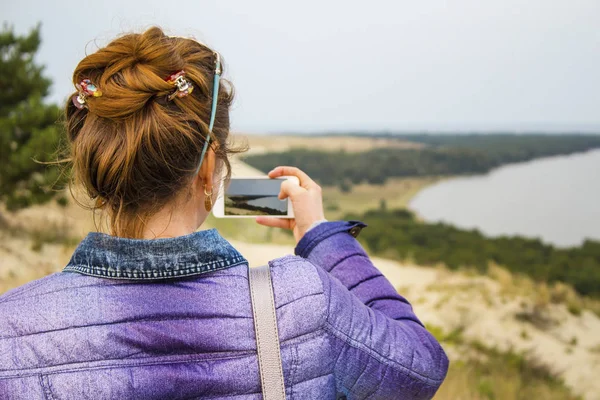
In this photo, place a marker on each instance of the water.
(556, 199)
(271, 202)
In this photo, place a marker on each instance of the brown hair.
(131, 149)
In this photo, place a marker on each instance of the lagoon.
(556, 199)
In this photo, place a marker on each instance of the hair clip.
(85, 89)
(184, 87)
(213, 108)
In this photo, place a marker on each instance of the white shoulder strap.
(267, 337)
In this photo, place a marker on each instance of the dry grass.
(497, 379)
(484, 373)
(279, 143)
(20, 264)
(542, 294)
(395, 193)
(39, 240)
(247, 230)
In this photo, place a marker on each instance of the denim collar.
(106, 256)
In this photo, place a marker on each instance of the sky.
(254, 187)
(398, 66)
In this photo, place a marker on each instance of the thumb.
(275, 222)
(290, 189)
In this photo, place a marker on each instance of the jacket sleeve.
(382, 349)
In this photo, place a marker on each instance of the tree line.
(443, 155)
(397, 234)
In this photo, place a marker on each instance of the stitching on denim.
(125, 274)
(147, 274)
(234, 254)
(369, 351)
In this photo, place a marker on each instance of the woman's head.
(133, 150)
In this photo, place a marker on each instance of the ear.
(207, 169)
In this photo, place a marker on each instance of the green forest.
(443, 155)
(30, 131)
(397, 234)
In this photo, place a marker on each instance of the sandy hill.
(498, 310)
(351, 144)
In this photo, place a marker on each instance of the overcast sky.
(363, 65)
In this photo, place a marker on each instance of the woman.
(159, 310)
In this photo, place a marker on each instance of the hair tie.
(184, 87)
(85, 89)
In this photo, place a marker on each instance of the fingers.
(306, 199)
(290, 189)
(304, 179)
(275, 222)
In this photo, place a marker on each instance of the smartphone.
(252, 196)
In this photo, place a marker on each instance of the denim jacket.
(172, 319)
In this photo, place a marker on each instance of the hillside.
(427, 156)
(524, 341)
(464, 310)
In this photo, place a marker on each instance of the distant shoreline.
(538, 189)
(443, 179)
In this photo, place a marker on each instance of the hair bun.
(130, 71)
(132, 148)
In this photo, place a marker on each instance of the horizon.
(420, 132)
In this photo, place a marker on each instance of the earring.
(208, 204)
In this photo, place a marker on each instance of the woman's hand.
(306, 198)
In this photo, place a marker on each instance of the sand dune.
(278, 143)
(485, 309)
(477, 304)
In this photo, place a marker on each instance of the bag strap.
(267, 337)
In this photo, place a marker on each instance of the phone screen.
(254, 197)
